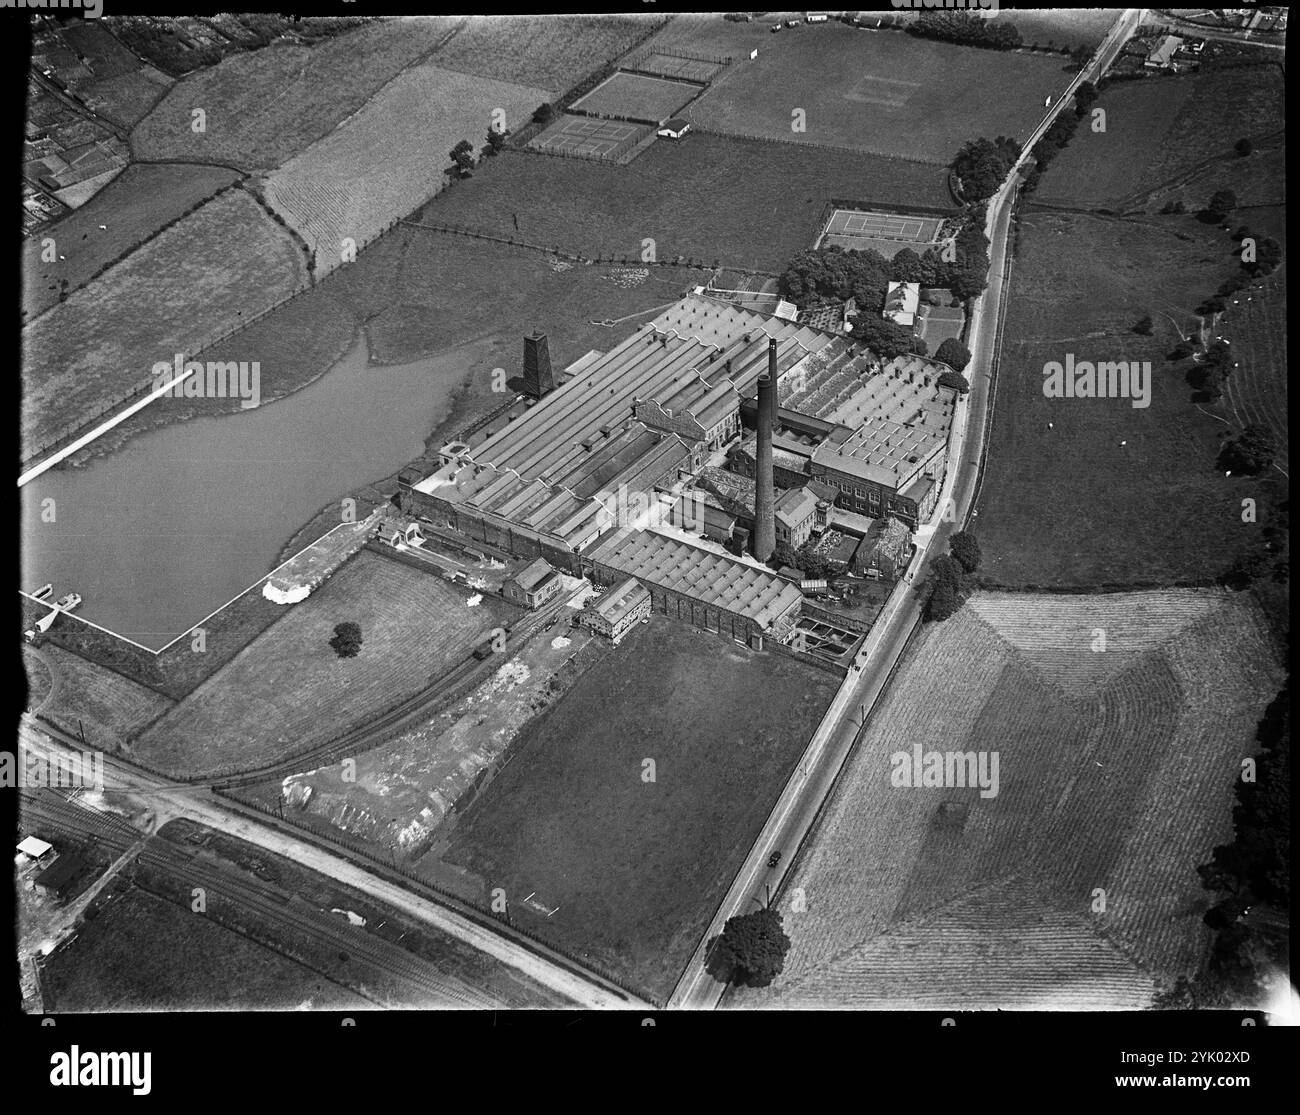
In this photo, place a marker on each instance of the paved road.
(798, 806)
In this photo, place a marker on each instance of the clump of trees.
(944, 589)
(544, 113)
(1221, 203)
(462, 160)
(751, 950)
(1253, 869)
(1209, 375)
(496, 139)
(968, 30)
(953, 353)
(1145, 327)
(1058, 136)
(1250, 452)
(811, 564)
(983, 164)
(347, 640)
(1243, 147)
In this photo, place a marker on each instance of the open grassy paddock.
(87, 697)
(1160, 130)
(1060, 27)
(226, 261)
(552, 52)
(135, 205)
(881, 92)
(1115, 771)
(192, 963)
(743, 202)
(637, 96)
(389, 157)
(287, 690)
(1108, 494)
(1255, 326)
(265, 106)
(633, 869)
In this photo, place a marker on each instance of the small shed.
(34, 848)
(61, 876)
(674, 128)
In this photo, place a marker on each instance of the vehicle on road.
(774, 858)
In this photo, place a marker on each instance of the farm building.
(1162, 54)
(533, 586)
(615, 613)
(58, 880)
(674, 128)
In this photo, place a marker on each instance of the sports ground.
(590, 138)
(637, 96)
(849, 227)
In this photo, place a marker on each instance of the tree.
(496, 139)
(955, 380)
(1243, 147)
(905, 267)
(814, 565)
(1222, 202)
(462, 158)
(1181, 351)
(920, 346)
(1251, 452)
(966, 549)
(885, 338)
(953, 353)
(1145, 327)
(753, 946)
(783, 555)
(544, 113)
(943, 602)
(347, 640)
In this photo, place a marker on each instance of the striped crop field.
(1073, 885)
(219, 266)
(86, 697)
(262, 107)
(389, 157)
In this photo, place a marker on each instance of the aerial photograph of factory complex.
(653, 512)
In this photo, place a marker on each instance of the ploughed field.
(1115, 774)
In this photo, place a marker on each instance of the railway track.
(264, 900)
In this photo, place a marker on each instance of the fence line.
(705, 130)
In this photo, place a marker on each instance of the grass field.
(637, 96)
(635, 869)
(1255, 326)
(768, 208)
(550, 52)
(889, 94)
(192, 963)
(1158, 132)
(1116, 771)
(265, 106)
(389, 157)
(135, 205)
(108, 707)
(1061, 26)
(1069, 504)
(287, 691)
(119, 86)
(711, 35)
(226, 261)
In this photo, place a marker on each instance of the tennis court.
(588, 137)
(675, 65)
(883, 226)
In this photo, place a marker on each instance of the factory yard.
(1115, 771)
(619, 821)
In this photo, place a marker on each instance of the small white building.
(674, 128)
(786, 311)
(34, 848)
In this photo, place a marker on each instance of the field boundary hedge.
(705, 130)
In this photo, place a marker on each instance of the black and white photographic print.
(652, 518)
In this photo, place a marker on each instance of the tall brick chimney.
(764, 485)
(538, 378)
